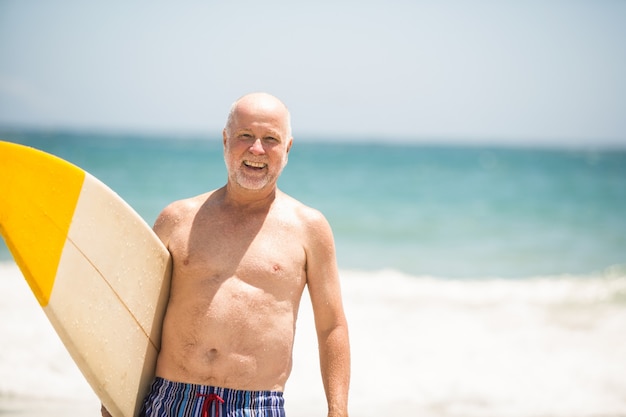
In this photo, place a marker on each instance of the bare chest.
(268, 255)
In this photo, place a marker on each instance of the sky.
(480, 71)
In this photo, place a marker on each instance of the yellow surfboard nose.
(36, 187)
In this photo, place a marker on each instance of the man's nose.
(257, 147)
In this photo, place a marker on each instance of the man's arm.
(104, 411)
(330, 320)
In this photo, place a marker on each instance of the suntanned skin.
(242, 256)
(231, 316)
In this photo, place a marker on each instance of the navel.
(211, 355)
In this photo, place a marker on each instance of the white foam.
(551, 346)
(422, 346)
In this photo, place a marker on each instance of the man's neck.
(240, 198)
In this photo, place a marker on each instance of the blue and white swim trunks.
(177, 399)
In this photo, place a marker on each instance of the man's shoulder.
(189, 204)
(180, 209)
(177, 214)
(308, 216)
(315, 231)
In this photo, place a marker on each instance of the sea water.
(478, 281)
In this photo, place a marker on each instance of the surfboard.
(97, 269)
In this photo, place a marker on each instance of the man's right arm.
(162, 227)
(105, 412)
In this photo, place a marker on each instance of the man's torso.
(236, 287)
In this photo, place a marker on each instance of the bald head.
(257, 139)
(259, 104)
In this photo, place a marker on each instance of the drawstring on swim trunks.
(208, 400)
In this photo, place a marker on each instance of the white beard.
(249, 182)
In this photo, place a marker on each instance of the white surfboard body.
(98, 270)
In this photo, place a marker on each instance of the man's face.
(256, 145)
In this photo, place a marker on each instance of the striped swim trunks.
(177, 399)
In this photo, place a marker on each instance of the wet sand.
(18, 407)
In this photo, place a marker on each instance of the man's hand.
(105, 412)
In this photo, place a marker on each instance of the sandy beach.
(14, 407)
(420, 346)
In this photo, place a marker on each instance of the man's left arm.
(330, 321)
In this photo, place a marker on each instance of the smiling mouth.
(256, 165)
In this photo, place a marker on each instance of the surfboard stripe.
(36, 211)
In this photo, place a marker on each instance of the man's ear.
(224, 137)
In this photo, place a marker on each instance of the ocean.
(478, 281)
